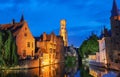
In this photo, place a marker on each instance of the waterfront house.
(24, 39)
(51, 48)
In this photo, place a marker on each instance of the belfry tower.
(63, 32)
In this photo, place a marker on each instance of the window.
(32, 44)
(32, 52)
(119, 54)
(25, 34)
(50, 50)
(28, 44)
(25, 28)
(24, 53)
(53, 50)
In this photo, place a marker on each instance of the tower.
(63, 32)
(115, 25)
(115, 30)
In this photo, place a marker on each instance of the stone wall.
(30, 63)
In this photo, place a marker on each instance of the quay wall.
(30, 63)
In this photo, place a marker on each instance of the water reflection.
(47, 71)
(102, 72)
(61, 70)
(57, 70)
(71, 70)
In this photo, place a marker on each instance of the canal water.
(61, 70)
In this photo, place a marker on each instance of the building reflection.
(102, 72)
(70, 71)
(60, 70)
(97, 72)
(57, 70)
(52, 71)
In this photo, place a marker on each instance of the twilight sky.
(83, 16)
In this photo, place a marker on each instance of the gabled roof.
(14, 28)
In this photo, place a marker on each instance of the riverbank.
(28, 64)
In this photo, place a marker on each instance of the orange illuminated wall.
(25, 42)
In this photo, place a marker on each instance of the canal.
(61, 70)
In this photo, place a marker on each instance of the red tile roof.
(14, 28)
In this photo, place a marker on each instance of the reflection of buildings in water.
(57, 70)
(71, 71)
(52, 71)
(102, 72)
(47, 71)
(97, 72)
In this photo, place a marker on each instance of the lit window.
(28, 44)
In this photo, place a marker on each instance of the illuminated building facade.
(51, 48)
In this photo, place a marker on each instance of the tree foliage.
(8, 54)
(89, 46)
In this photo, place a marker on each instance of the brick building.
(50, 48)
(24, 40)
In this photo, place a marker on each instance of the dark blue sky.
(83, 16)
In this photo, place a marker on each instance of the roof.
(48, 36)
(13, 27)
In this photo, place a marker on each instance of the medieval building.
(50, 48)
(63, 32)
(24, 39)
(109, 44)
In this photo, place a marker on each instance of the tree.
(8, 54)
(89, 46)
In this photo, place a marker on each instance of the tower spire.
(114, 11)
(22, 18)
